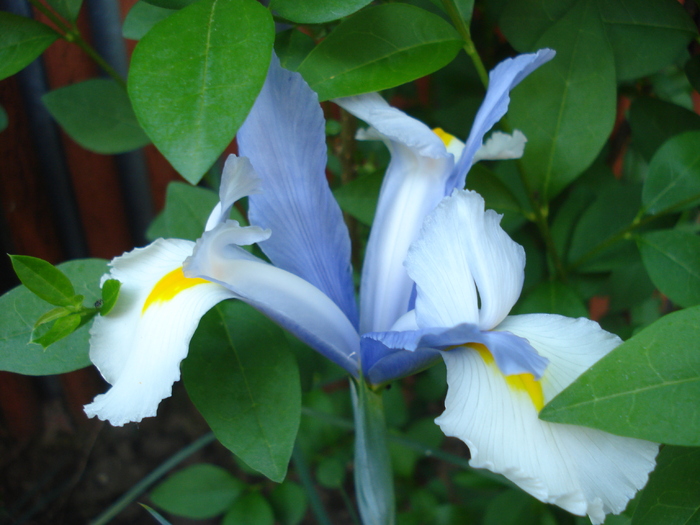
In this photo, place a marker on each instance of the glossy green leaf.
(494, 191)
(629, 286)
(513, 507)
(62, 327)
(567, 107)
(68, 9)
(251, 509)
(465, 9)
(612, 211)
(187, 209)
(110, 294)
(646, 388)
(289, 503)
(672, 495)
(292, 46)
(316, 11)
(195, 76)
(198, 492)
(673, 180)
(97, 114)
(171, 4)
(380, 47)
(52, 315)
(21, 41)
(552, 298)
(692, 71)
(655, 121)
(359, 197)
(4, 121)
(645, 35)
(44, 279)
(141, 18)
(20, 308)
(672, 258)
(243, 379)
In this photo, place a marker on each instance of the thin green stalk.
(465, 33)
(302, 469)
(71, 33)
(149, 480)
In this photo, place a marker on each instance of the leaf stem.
(70, 33)
(465, 33)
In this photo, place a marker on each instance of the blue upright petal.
(381, 364)
(284, 138)
(504, 77)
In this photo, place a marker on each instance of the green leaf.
(195, 76)
(21, 41)
(52, 315)
(292, 46)
(4, 121)
(330, 472)
(68, 9)
(171, 4)
(44, 279)
(673, 180)
(359, 197)
(513, 507)
(654, 121)
(613, 210)
(494, 191)
(141, 18)
(672, 494)
(646, 388)
(692, 71)
(62, 327)
(552, 298)
(198, 492)
(289, 503)
(251, 509)
(243, 379)
(567, 107)
(644, 36)
(672, 259)
(465, 8)
(19, 308)
(380, 47)
(110, 293)
(97, 114)
(316, 11)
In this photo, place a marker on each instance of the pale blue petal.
(287, 299)
(284, 139)
(238, 180)
(513, 354)
(381, 364)
(413, 185)
(502, 79)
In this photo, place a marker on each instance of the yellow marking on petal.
(169, 286)
(444, 136)
(522, 382)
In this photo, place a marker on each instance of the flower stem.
(469, 47)
(374, 483)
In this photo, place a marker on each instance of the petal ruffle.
(238, 180)
(461, 249)
(138, 346)
(583, 470)
(501, 146)
(285, 140)
(413, 185)
(502, 79)
(287, 299)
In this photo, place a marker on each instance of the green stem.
(143, 485)
(465, 33)
(302, 469)
(374, 480)
(71, 33)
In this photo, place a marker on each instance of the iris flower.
(431, 249)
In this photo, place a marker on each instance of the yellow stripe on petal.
(169, 286)
(522, 382)
(444, 136)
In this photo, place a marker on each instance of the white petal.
(502, 146)
(583, 470)
(238, 180)
(138, 346)
(461, 245)
(413, 185)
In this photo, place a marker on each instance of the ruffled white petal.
(461, 249)
(413, 185)
(139, 350)
(583, 470)
(238, 180)
(500, 146)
